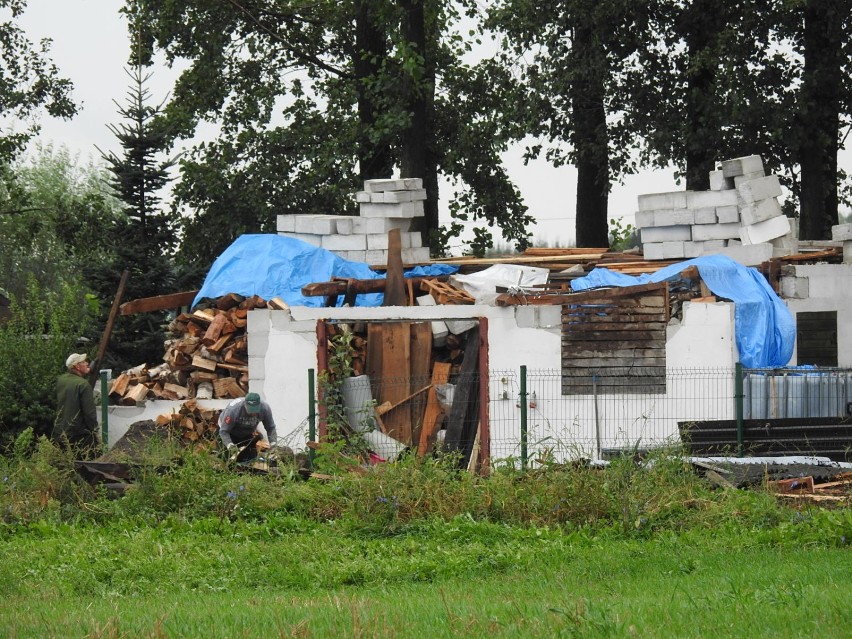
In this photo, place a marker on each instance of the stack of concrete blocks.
(843, 233)
(739, 216)
(384, 205)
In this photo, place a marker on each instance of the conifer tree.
(144, 241)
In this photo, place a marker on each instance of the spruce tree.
(144, 241)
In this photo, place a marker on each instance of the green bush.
(43, 329)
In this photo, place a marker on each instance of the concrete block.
(316, 224)
(345, 224)
(741, 166)
(718, 181)
(644, 219)
(760, 211)
(734, 242)
(706, 215)
(367, 225)
(308, 238)
(705, 199)
(439, 327)
(847, 252)
(794, 288)
(704, 232)
(400, 210)
(692, 249)
(353, 256)
(549, 316)
(652, 250)
(459, 326)
(789, 242)
(765, 231)
(362, 196)
(840, 232)
(380, 241)
(666, 234)
(286, 223)
(398, 184)
(376, 257)
(656, 201)
(727, 214)
(418, 194)
(709, 245)
(747, 255)
(417, 255)
(674, 217)
(525, 316)
(352, 242)
(748, 177)
(415, 238)
(760, 188)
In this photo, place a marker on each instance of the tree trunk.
(416, 160)
(590, 137)
(701, 25)
(374, 160)
(820, 119)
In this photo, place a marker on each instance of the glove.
(233, 451)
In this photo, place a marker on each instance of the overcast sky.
(90, 48)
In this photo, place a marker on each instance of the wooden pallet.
(445, 293)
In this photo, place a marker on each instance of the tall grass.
(414, 549)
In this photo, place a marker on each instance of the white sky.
(90, 48)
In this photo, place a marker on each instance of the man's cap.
(74, 359)
(252, 403)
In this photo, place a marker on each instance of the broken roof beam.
(158, 303)
(342, 286)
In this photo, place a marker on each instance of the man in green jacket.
(76, 424)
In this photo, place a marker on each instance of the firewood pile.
(206, 356)
(193, 425)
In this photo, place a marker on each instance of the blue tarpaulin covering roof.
(277, 266)
(765, 328)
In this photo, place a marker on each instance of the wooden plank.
(394, 385)
(395, 285)
(606, 336)
(420, 364)
(341, 286)
(440, 375)
(604, 325)
(158, 303)
(519, 259)
(93, 373)
(461, 423)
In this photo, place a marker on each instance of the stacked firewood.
(206, 358)
(192, 424)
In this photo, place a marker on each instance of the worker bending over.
(238, 426)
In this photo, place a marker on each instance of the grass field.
(415, 550)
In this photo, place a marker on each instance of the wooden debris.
(446, 293)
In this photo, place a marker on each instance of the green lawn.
(291, 578)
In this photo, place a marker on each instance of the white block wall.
(741, 208)
(385, 205)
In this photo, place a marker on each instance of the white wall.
(283, 346)
(823, 287)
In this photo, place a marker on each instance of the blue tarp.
(765, 328)
(277, 266)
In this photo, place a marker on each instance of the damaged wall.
(822, 287)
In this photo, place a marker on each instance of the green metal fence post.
(522, 395)
(739, 396)
(312, 414)
(104, 410)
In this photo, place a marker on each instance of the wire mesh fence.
(525, 417)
